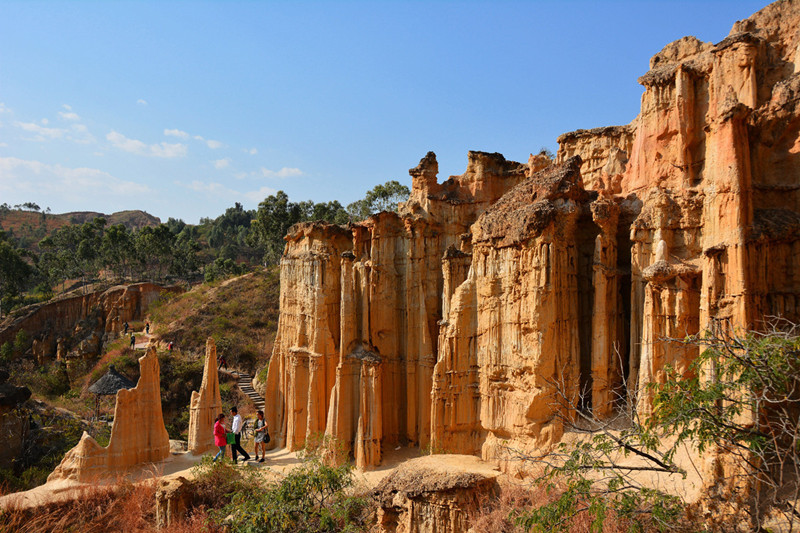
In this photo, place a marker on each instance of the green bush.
(22, 342)
(55, 381)
(313, 498)
(262, 374)
(7, 351)
(126, 363)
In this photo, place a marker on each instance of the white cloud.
(134, 146)
(260, 194)
(218, 190)
(141, 101)
(3, 108)
(214, 188)
(176, 133)
(41, 132)
(81, 134)
(3, 145)
(219, 164)
(285, 172)
(210, 143)
(45, 121)
(23, 178)
(69, 115)
(78, 133)
(67, 107)
(251, 151)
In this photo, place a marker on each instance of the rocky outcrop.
(205, 405)
(174, 498)
(360, 306)
(495, 302)
(138, 435)
(81, 324)
(427, 496)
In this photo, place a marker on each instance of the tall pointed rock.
(205, 405)
(138, 435)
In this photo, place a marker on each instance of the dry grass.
(241, 314)
(123, 508)
(497, 512)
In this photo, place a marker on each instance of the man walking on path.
(133, 341)
(236, 428)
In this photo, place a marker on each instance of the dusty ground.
(279, 461)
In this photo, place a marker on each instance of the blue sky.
(183, 108)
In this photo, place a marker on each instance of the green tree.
(73, 251)
(14, 273)
(275, 215)
(384, 197)
(118, 250)
(153, 246)
(741, 399)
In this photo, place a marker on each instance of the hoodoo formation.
(205, 405)
(452, 323)
(138, 435)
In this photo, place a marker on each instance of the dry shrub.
(123, 508)
(497, 513)
(197, 522)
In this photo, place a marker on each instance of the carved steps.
(245, 384)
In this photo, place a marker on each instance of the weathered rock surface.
(174, 498)
(205, 405)
(138, 435)
(496, 299)
(80, 324)
(429, 496)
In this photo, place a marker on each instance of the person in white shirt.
(236, 428)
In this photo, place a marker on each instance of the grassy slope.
(241, 314)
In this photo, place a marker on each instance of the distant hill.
(29, 227)
(133, 220)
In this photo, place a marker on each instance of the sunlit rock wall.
(138, 435)
(495, 302)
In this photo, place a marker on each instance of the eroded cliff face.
(79, 325)
(496, 301)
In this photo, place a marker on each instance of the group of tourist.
(225, 434)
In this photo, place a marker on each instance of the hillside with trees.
(43, 254)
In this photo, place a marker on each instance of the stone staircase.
(245, 384)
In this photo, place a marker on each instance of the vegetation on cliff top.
(40, 252)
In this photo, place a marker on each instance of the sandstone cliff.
(138, 435)
(455, 322)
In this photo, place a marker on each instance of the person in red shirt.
(220, 438)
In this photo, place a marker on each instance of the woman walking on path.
(220, 439)
(262, 437)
